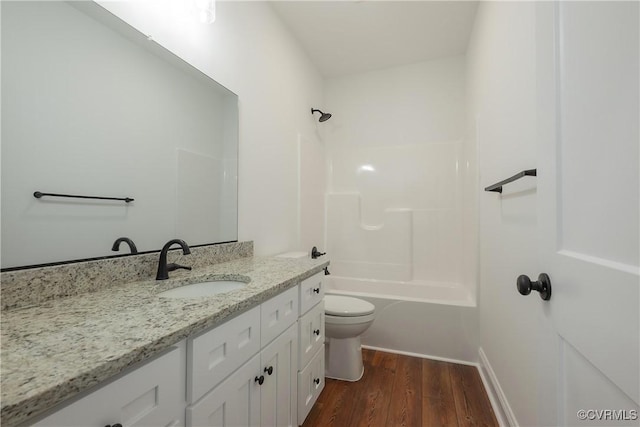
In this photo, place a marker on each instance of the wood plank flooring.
(399, 390)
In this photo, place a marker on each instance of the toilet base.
(343, 358)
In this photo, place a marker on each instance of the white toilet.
(346, 318)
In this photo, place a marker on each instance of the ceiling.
(348, 37)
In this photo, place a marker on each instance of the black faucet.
(128, 241)
(163, 267)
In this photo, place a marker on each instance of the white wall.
(501, 120)
(250, 52)
(396, 165)
(541, 379)
(412, 104)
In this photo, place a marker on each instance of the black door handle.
(543, 285)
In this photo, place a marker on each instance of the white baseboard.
(498, 399)
(421, 356)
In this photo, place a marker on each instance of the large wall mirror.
(92, 107)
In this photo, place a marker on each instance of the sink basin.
(203, 289)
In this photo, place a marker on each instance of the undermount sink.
(203, 289)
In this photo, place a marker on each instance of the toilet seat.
(348, 320)
(342, 306)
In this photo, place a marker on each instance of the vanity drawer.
(215, 354)
(278, 313)
(311, 327)
(311, 291)
(310, 385)
(150, 395)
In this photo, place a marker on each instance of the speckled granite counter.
(62, 347)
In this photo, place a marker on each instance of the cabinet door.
(235, 402)
(311, 292)
(217, 353)
(152, 395)
(278, 313)
(279, 392)
(310, 385)
(311, 334)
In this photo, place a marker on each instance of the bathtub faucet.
(315, 253)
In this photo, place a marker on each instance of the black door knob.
(317, 332)
(316, 290)
(543, 285)
(259, 379)
(269, 370)
(317, 381)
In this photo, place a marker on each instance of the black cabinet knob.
(115, 425)
(317, 332)
(269, 370)
(316, 290)
(317, 381)
(543, 285)
(259, 379)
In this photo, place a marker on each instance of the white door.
(588, 190)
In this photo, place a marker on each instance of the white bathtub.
(434, 320)
(430, 292)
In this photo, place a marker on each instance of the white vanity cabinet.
(152, 395)
(264, 367)
(263, 391)
(311, 348)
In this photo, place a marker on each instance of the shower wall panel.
(393, 213)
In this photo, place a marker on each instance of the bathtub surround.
(397, 231)
(394, 202)
(62, 347)
(30, 287)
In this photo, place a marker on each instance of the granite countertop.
(62, 347)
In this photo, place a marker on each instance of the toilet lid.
(338, 305)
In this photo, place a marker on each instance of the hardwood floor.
(407, 391)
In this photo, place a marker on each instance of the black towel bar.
(39, 194)
(497, 187)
